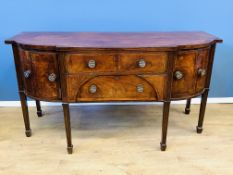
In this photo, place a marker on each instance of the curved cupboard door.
(184, 84)
(41, 77)
(202, 69)
(190, 72)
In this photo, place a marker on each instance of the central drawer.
(115, 87)
(118, 76)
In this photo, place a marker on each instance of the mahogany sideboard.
(76, 67)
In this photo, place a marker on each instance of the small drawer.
(143, 62)
(78, 63)
(116, 88)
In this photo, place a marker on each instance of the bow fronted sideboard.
(76, 67)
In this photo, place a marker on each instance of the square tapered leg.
(67, 127)
(187, 107)
(24, 106)
(166, 107)
(38, 107)
(202, 112)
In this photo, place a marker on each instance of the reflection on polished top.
(114, 39)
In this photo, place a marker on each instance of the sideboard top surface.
(113, 39)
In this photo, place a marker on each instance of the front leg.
(166, 107)
(66, 111)
(24, 106)
(202, 111)
(38, 107)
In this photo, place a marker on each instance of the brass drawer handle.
(93, 89)
(201, 72)
(178, 75)
(52, 77)
(140, 88)
(27, 73)
(141, 63)
(91, 64)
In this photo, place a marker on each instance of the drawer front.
(41, 75)
(143, 62)
(190, 72)
(81, 63)
(116, 88)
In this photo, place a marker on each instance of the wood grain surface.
(151, 66)
(113, 39)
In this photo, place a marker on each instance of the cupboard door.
(45, 75)
(184, 74)
(26, 68)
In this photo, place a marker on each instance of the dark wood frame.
(173, 53)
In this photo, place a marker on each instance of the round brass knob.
(91, 64)
(178, 75)
(52, 77)
(140, 88)
(201, 72)
(27, 73)
(93, 89)
(141, 63)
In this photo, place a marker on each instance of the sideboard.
(74, 67)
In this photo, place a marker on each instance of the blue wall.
(213, 16)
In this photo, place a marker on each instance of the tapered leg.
(187, 108)
(38, 107)
(202, 111)
(166, 107)
(24, 106)
(67, 127)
